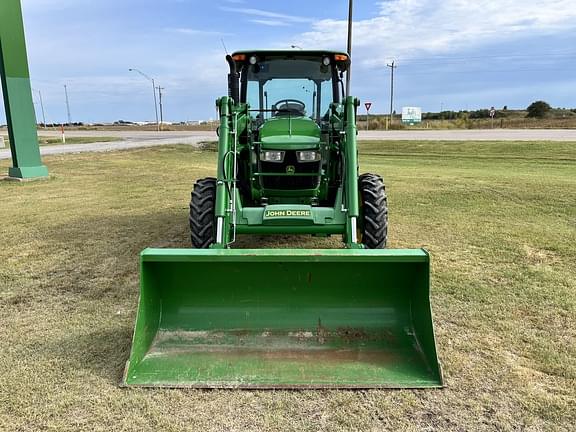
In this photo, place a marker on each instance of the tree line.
(537, 109)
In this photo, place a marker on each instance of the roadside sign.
(411, 115)
(492, 114)
(368, 105)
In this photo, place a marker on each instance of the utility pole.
(392, 66)
(67, 105)
(161, 106)
(350, 20)
(153, 91)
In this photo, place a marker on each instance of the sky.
(451, 54)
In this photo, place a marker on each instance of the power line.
(477, 71)
(458, 59)
(535, 58)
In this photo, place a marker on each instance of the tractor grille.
(294, 181)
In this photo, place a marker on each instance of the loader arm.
(224, 180)
(351, 172)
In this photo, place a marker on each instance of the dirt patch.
(539, 257)
(351, 334)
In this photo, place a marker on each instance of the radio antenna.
(224, 45)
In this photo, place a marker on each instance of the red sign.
(368, 105)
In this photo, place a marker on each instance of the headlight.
(308, 156)
(272, 156)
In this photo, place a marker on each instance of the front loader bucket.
(284, 319)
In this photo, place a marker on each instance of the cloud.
(197, 32)
(271, 23)
(410, 28)
(269, 15)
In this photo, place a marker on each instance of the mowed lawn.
(498, 218)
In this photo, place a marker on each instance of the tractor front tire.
(373, 225)
(202, 215)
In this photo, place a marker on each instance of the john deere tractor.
(287, 156)
(216, 316)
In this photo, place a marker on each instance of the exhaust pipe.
(233, 80)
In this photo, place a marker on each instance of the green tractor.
(218, 317)
(287, 156)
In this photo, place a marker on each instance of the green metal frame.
(20, 115)
(232, 215)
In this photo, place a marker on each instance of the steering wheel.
(289, 106)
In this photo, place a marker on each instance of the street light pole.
(153, 91)
(42, 107)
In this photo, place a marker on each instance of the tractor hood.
(293, 133)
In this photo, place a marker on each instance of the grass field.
(498, 218)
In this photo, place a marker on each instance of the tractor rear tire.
(202, 214)
(374, 211)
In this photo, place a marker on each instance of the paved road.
(448, 135)
(127, 140)
(137, 139)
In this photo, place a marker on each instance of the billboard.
(411, 115)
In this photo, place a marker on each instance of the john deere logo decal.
(287, 213)
(290, 169)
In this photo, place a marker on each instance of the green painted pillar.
(26, 160)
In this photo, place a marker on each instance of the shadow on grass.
(122, 237)
(96, 265)
(102, 352)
